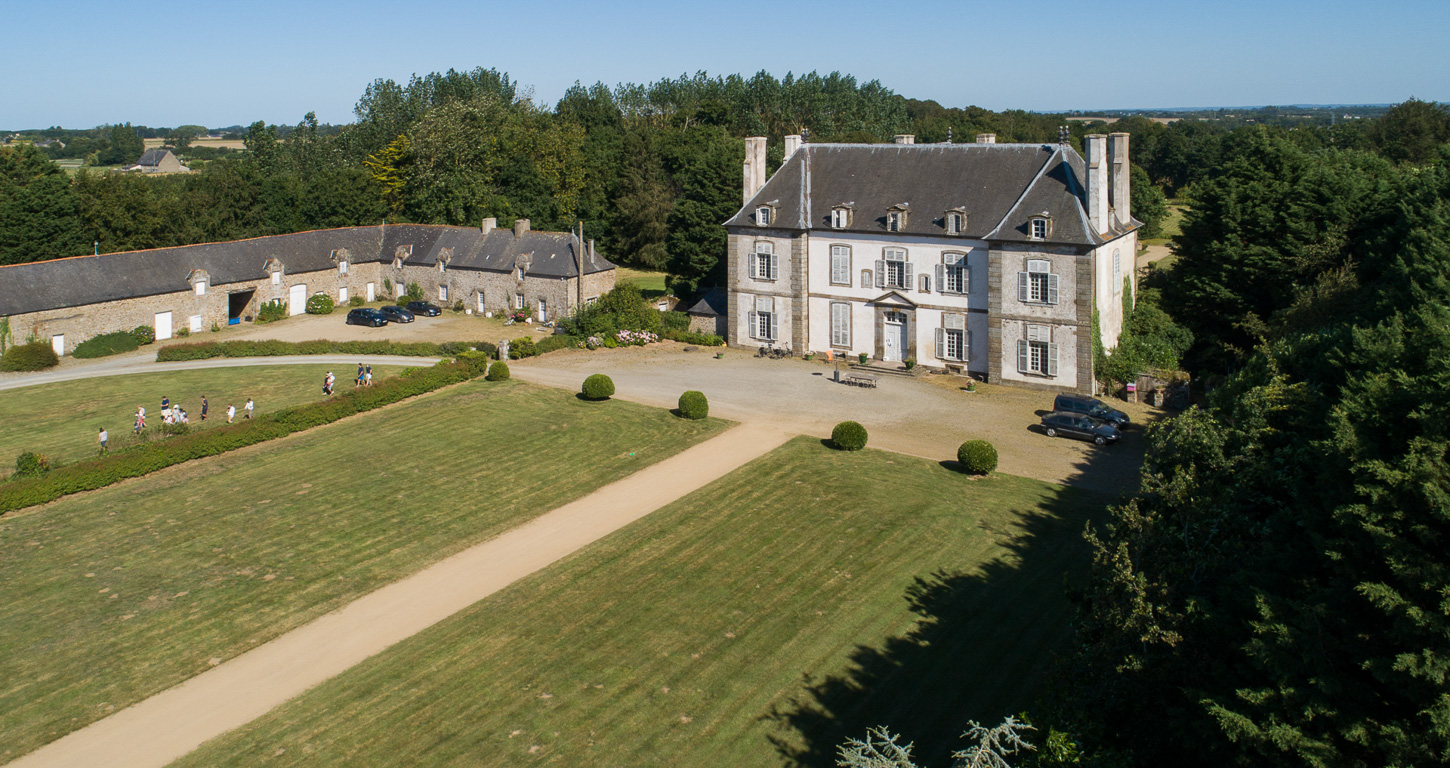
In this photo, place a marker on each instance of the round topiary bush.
(598, 387)
(978, 457)
(35, 356)
(144, 334)
(693, 405)
(499, 371)
(320, 304)
(849, 436)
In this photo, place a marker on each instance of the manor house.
(195, 287)
(987, 259)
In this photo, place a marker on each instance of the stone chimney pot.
(521, 227)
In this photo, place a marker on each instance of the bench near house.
(988, 259)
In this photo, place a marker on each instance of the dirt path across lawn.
(170, 724)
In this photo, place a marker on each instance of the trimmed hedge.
(598, 387)
(978, 457)
(499, 371)
(690, 337)
(150, 457)
(208, 349)
(522, 348)
(35, 356)
(557, 341)
(693, 405)
(106, 344)
(849, 436)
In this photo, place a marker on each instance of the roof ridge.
(1025, 190)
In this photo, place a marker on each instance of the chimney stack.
(904, 138)
(1097, 181)
(521, 227)
(792, 143)
(489, 225)
(754, 166)
(1120, 192)
(986, 138)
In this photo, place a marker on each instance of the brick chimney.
(489, 225)
(903, 138)
(1119, 190)
(1096, 145)
(754, 165)
(521, 227)
(792, 143)
(986, 138)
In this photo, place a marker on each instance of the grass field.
(651, 284)
(758, 622)
(117, 594)
(61, 420)
(1172, 226)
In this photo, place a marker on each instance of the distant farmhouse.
(988, 259)
(159, 160)
(546, 274)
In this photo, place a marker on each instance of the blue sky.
(222, 64)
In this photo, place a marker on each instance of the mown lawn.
(802, 599)
(651, 284)
(61, 420)
(118, 594)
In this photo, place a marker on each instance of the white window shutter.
(910, 278)
(941, 273)
(941, 344)
(966, 277)
(775, 268)
(750, 264)
(754, 326)
(1051, 288)
(880, 273)
(1022, 294)
(966, 345)
(1051, 359)
(775, 326)
(1022, 359)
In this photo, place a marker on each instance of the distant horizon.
(277, 61)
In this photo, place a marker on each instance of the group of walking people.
(173, 413)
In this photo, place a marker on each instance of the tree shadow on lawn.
(980, 649)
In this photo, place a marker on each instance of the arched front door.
(894, 343)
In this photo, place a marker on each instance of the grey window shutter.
(1051, 359)
(1022, 360)
(966, 345)
(966, 277)
(1022, 293)
(941, 283)
(775, 268)
(1051, 289)
(754, 328)
(750, 264)
(910, 278)
(880, 273)
(941, 344)
(775, 326)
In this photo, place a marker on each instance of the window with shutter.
(840, 265)
(941, 345)
(1051, 289)
(880, 273)
(1023, 293)
(1022, 359)
(753, 322)
(925, 283)
(894, 271)
(952, 273)
(764, 262)
(774, 328)
(775, 267)
(840, 324)
(1051, 359)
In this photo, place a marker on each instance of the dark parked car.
(365, 316)
(397, 314)
(424, 308)
(1090, 406)
(1081, 427)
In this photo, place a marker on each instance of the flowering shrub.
(518, 315)
(593, 342)
(635, 338)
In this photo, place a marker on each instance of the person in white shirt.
(231, 413)
(249, 407)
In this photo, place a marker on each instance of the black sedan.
(1090, 406)
(397, 314)
(424, 308)
(366, 316)
(1080, 426)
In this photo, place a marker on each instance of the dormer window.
(342, 267)
(441, 267)
(1039, 227)
(896, 218)
(956, 222)
(763, 216)
(400, 255)
(840, 217)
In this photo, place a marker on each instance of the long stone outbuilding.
(196, 287)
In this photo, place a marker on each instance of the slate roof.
(999, 186)
(153, 156)
(82, 280)
(713, 304)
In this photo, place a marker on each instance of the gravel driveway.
(926, 417)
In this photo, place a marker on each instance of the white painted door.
(543, 312)
(297, 300)
(163, 325)
(57, 343)
(372, 292)
(196, 323)
(341, 295)
(894, 344)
